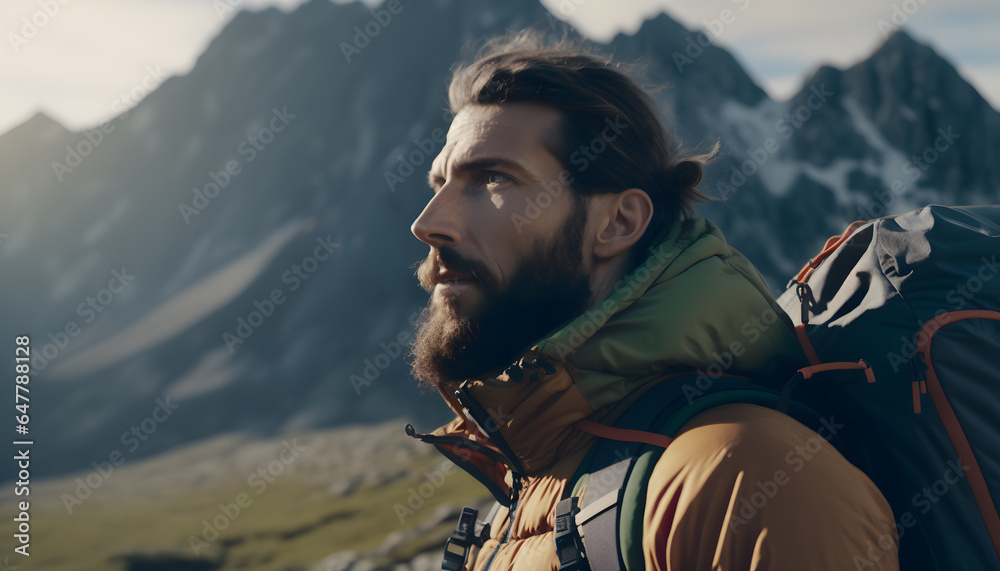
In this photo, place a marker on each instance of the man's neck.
(604, 277)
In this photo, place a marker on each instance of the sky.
(91, 59)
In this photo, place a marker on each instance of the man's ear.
(623, 218)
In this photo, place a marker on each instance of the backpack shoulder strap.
(602, 530)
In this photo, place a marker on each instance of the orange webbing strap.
(916, 396)
(839, 366)
(807, 346)
(975, 478)
(832, 244)
(622, 434)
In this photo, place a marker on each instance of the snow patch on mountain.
(834, 177)
(214, 371)
(182, 310)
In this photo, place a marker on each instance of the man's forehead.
(512, 130)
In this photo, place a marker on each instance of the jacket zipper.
(479, 416)
(515, 495)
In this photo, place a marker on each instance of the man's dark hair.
(591, 92)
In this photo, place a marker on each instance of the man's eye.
(494, 179)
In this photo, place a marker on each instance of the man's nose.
(440, 224)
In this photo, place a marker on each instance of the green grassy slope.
(136, 521)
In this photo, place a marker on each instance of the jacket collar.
(521, 426)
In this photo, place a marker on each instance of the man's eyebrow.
(478, 164)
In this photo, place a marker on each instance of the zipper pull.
(806, 299)
(543, 365)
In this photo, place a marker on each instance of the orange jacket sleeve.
(744, 487)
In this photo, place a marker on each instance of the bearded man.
(568, 277)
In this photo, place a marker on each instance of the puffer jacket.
(741, 487)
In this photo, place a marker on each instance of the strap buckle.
(456, 549)
(569, 544)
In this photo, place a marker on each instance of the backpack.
(917, 297)
(899, 322)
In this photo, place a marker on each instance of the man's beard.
(547, 289)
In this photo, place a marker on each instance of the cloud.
(91, 51)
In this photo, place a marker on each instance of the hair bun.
(685, 174)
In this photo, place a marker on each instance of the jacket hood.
(694, 304)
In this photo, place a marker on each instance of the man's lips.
(450, 284)
(448, 278)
